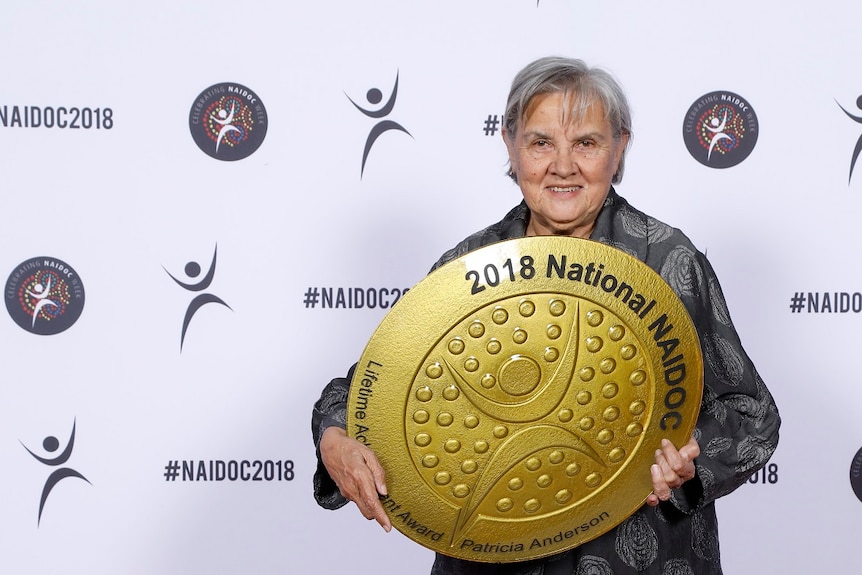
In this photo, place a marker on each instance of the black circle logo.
(856, 474)
(228, 121)
(720, 129)
(44, 295)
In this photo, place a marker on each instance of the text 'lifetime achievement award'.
(516, 397)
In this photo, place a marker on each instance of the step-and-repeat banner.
(208, 207)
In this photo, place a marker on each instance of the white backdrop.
(128, 205)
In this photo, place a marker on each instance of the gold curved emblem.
(516, 396)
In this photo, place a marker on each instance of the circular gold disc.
(516, 396)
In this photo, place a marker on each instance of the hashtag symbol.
(491, 125)
(311, 297)
(172, 469)
(796, 302)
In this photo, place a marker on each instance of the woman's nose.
(565, 162)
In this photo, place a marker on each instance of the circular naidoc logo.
(516, 397)
(856, 474)
(44, 295)
(228, 121)
(720, 129)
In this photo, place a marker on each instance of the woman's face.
(564, 168)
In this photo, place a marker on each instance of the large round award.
(516, 397)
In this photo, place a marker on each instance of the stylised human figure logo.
(51, 444)
(858, 148)
(720, 129)
(225, 119)
(374, 97)
(193, 270)
(716, 127)
(44, 295)
(228, 121)
(40, 293)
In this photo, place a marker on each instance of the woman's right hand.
(357, 473)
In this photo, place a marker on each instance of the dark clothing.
(737, 428)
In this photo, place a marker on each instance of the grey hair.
(573, 77)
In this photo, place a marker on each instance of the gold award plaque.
(516, 396)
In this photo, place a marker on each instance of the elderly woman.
(567, 128)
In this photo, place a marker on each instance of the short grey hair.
(573, 77)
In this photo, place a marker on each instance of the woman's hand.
(671, 469)
(357, 473)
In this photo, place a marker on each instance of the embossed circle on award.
(516, 396)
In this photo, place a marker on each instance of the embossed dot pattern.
(528, 406)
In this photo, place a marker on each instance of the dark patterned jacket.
(737, 428)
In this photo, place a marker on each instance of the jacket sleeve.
(737, 427)
(330, 410)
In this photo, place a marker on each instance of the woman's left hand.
(671, 469)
